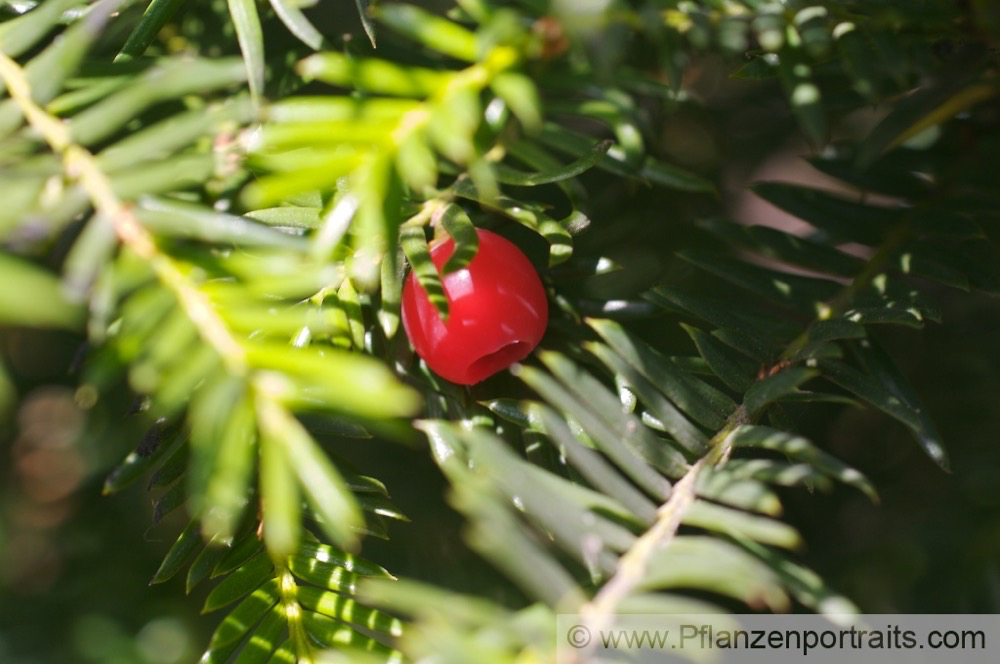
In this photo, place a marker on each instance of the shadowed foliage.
(217, 203)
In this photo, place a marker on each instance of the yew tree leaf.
(157, 14)
(508, 175)
(182, 549)
(251, 37)
(458, 225)
(297, 23)
(240, 583)
(414, 243)
(366, 19)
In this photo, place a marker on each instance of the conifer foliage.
(223, 198)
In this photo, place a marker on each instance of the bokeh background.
(75, 565)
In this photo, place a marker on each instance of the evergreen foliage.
(223, 197)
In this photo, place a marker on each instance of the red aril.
(497, 312)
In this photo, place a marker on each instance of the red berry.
(497, 312)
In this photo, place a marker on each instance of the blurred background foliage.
(269, 162)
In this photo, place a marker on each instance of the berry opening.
(498, 360)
